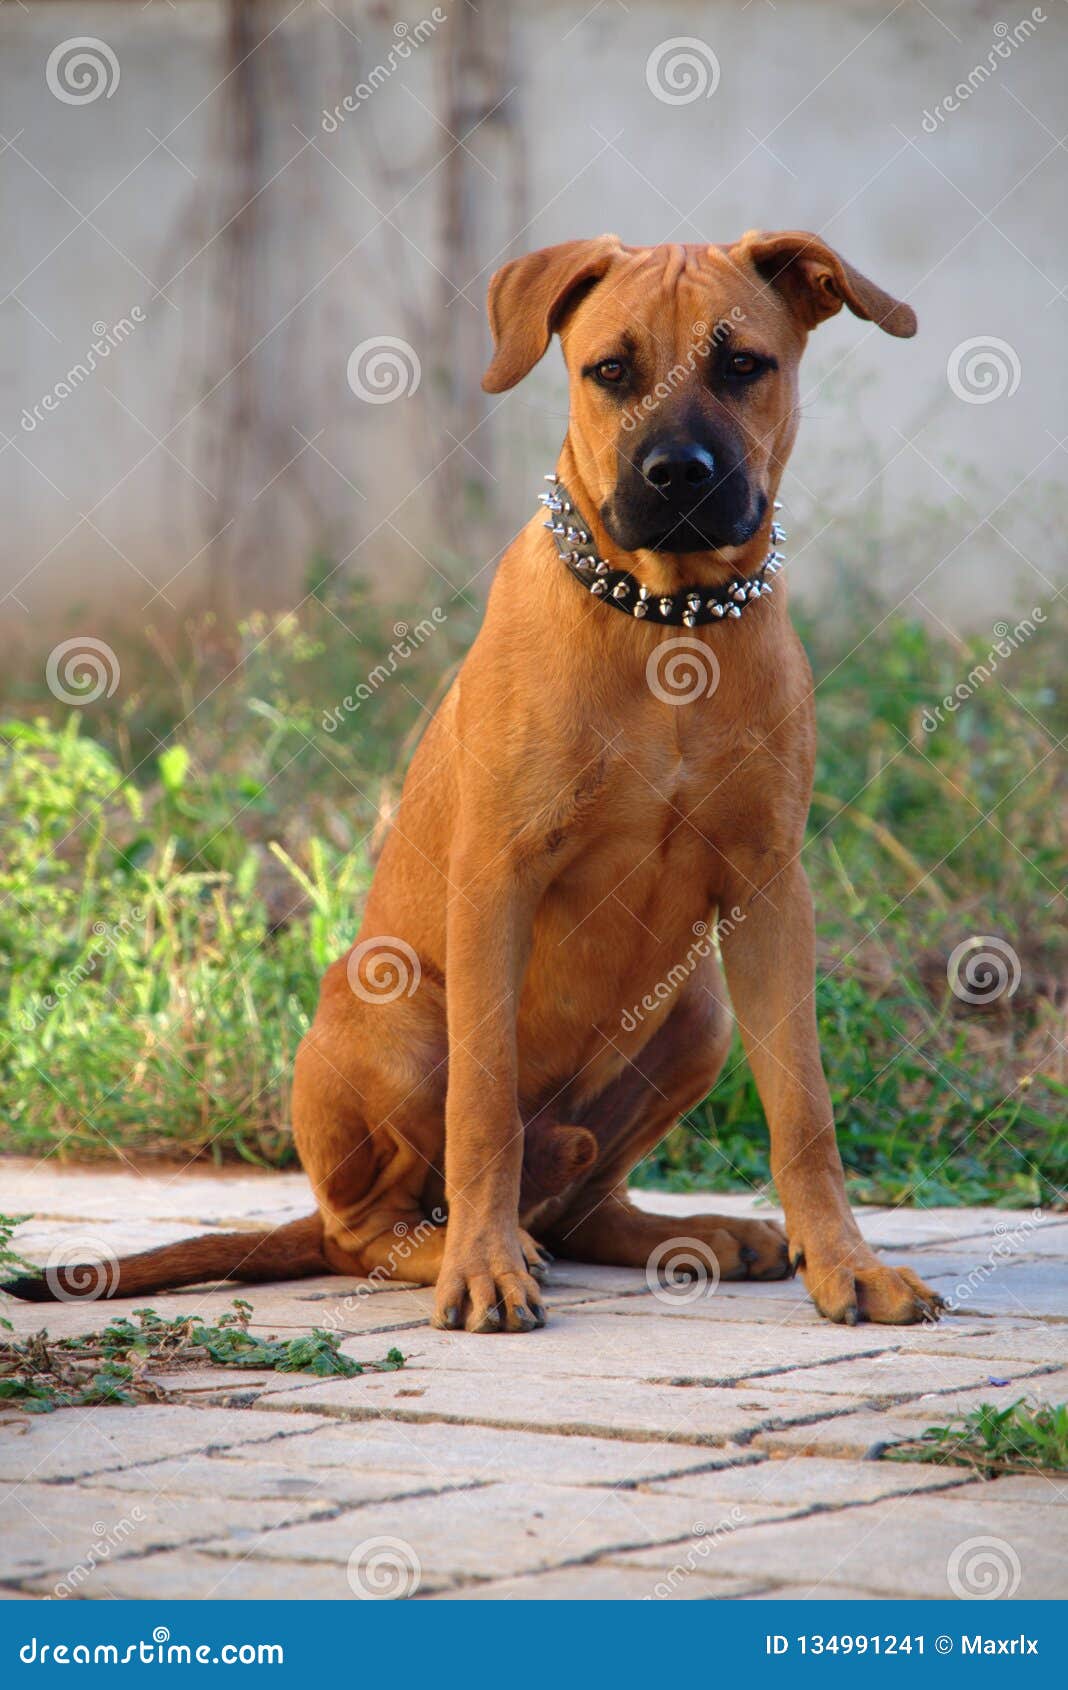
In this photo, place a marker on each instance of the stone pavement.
(711, 1442)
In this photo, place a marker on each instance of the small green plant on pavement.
(1022, 1438)
(119, 1364)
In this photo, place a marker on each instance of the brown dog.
(526, 1013)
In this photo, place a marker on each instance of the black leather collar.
(690, 607)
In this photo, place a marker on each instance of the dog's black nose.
(678, 467)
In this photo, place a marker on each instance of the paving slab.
(619, 1408)
(189, 1575)
(807, 1482)
(82, 1442)
(896, 1376)
(496, 1530)
(639, 1447)
(648, 1345)
(64, 1531)
(605, 1581)
(279, 1479)
(897, 1547)
(433, 1452)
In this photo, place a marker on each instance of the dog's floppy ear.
(529, 297)
(817, 282)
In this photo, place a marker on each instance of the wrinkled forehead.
(669, 296)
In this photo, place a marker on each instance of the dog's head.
(683, 364)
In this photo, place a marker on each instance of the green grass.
(119, 1364)
(1022, 1438)
(178, 864)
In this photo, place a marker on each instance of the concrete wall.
(241, 249)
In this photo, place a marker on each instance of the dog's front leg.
(770, 963)
(484, 1282)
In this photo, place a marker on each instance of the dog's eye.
(744, 365)
(611, 371)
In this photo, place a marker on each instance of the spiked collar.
(690, 607)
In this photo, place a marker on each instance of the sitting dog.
(625, 756)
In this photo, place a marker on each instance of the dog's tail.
(294, 1251)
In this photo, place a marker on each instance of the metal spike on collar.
(619, 588)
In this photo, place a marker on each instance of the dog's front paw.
(851, 1284)
(487, 1286)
